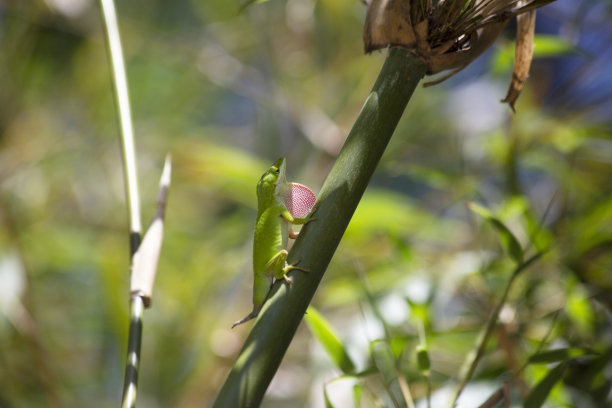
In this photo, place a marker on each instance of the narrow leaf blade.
(553, 356)
(357, 393)
(423, 361)
(540, 392)
(507, 238)
(384, 361)
(552, 46)
(328, 403)
(324, 332)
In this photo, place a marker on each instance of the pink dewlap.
(299, 200)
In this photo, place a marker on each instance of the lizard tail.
(248, 317)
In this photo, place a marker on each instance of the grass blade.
(507, 238)
(540, 392)
(326, 335)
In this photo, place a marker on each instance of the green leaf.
(539, 393)
(545, 46)
(357, 393)
(328, 403)
(323, 331)
(247, 3)
(507, 238)
(578, 308)
(503, 57)
(397, 345)
(551, 46)
(423, 361)
(553, 356)
(384, 361)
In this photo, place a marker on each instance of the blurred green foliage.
(226, 94)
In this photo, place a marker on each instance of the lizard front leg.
(291, 220)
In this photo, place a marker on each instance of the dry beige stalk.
(525, 29)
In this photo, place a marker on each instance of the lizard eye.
(277, 171)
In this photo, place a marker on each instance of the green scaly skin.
(271, 236)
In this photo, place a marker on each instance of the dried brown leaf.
(388, 24)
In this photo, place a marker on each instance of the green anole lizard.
(279, 204)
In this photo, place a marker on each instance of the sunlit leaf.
(357, 393)
(553, 356)
(383, 210)
(324, 332)
(384, 361)
(503, 57)
(357, 387)
(328, 403)
(551, 46)
(540, 392)
(545, 46)
(397, 345)
(506, 237)
(247, 3)
(226, 170)
(423, 361)
(579, 309)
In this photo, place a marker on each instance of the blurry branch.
(501, 395)
(473, 358)
(143, 258)
(281, 315)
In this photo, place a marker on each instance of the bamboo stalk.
(272, 332)
(131, 186)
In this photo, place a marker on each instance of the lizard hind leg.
(281, 268)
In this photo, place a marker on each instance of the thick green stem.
(269, 339)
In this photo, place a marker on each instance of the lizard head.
(274, 176)
(273, 185)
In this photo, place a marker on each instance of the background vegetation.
(226, 94)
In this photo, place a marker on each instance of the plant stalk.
(131, 186)
(125, 117)
(473, 358)
(272, 332)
